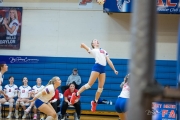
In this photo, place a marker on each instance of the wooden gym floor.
(83, 117)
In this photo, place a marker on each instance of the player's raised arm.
(85, 47)
(111, 65)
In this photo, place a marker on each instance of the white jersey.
(99, 55)
(16, 24)
(50, 92)
(125, 93)
(24, 91)
(37, 88)
(11, 91)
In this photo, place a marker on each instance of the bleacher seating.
(165, 74)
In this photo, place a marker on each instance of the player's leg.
(11, 101)
(94, 75)
(101, 81)
(120, 107)
(47, 109)
(52, 109)
(23, 104)
(17, 107)
(29, 108)
(2, 101)
(35, 113)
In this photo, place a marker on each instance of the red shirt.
(68, 93)
(56, 96)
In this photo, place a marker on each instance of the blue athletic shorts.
(38, 103)
(120, 105)
(98, 68)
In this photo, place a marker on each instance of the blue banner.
(178, 68)
(125, 6)
(163, 111)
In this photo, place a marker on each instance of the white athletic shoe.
(110, 102)
(63, 118)
(24, 116)
(28, 109)
(9, 116)
(16, 114)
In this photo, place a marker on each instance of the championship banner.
(125, 6)
(10, 27)
(163, 111)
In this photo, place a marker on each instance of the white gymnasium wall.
(58, 27)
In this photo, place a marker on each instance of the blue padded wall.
(165, 74)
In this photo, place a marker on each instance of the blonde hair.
(50, 82)
(15, 14)
(92, 43)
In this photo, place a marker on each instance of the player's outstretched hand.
(82, 45)
(116, 72)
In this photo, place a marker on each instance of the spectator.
(55, 101)
(11, 91)
(73, 78)
(23, 97)
(66, 102)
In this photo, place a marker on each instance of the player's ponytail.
(127, 78)
(92, 44)
(2, 64)
(50, 82)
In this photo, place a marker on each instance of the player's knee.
(17, 103)
(11, 101)
(22, 103)
(54, 115)
(10, 104)
(87, 86)
(100, 90)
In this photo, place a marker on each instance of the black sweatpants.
(76, 105)
(55, 105)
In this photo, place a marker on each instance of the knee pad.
(10, 104)
(100, 90)
(22, 103)
(87, 86)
